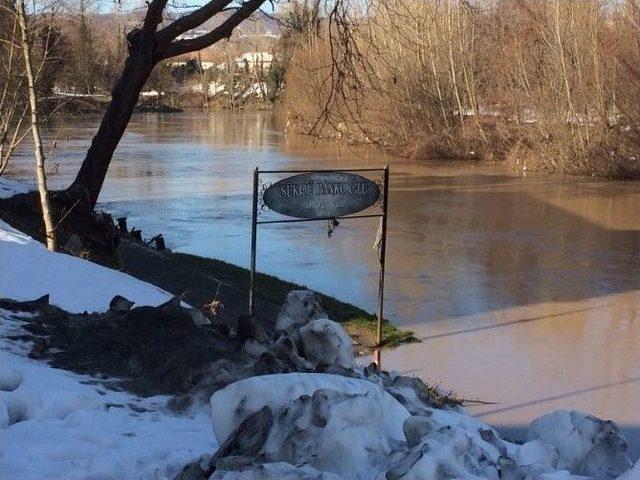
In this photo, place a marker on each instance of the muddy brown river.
(525, 290)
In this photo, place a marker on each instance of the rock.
(74, 245)
(173, 313)
(406, 463)
(195, 470)
(237, 451)
(250, 328)
(284, 346)
(325, 342)
(337, 370)
(509, 469)
(253, 348)
(39, 348)
(37, 305)
(217, 375)
(269, 364)
(198, 317)
(119, 304)
(489, 436)
(286, 349)
(415, 427)
(371, 369)
(249, 437)
(585, 444)
(239, 462)
(300, 307)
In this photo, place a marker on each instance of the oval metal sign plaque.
(321, 195)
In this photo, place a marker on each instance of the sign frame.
(384, 195)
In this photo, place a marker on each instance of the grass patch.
(364, 330)
(358, 323)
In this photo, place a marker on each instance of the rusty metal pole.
(254, 228)
(383, 249)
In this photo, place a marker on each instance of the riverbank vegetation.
(550, 84)
(544, 84)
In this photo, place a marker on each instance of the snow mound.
(321, 420)
(586, 445)
(59, 425)
(355, 429)
(325, 342)
(299, 308)
(235, 402)
(30, 271)
(272, 471)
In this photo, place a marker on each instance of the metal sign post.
(382, 258)
(254, 234)
(330, 195)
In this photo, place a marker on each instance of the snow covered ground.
(59, 425)
(9, 188)
(29, 271)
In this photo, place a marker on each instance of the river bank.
(218, 288)
(200, 281)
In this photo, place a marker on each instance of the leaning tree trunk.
(124, 97)
(35, 130)
(147, 46)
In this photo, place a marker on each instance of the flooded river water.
(525, 291)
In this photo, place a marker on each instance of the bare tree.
(148, 45)
(35, 129)
(553, 83)
(13, 105)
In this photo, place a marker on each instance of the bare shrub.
(555, 81)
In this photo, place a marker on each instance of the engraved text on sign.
(321, 195)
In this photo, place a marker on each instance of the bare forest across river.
(547, 85)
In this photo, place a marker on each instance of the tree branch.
(153, 17)
(223, 31)
(189, 21)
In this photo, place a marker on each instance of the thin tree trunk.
(204, 81)
(436, 79)
(35, 130)
(565, 76)
(454, 81)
